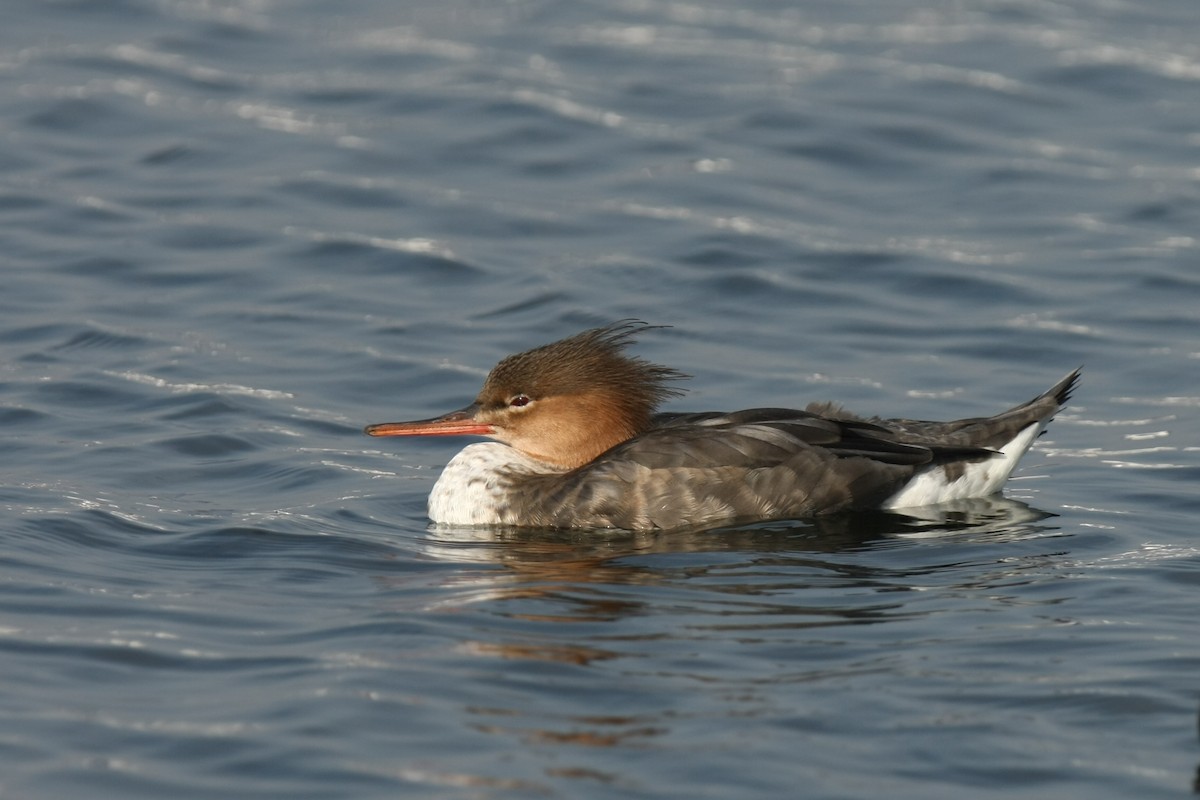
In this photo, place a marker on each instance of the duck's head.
(562, 403)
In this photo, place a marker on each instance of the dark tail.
(1061, 391)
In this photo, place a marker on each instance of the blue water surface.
(236, 231)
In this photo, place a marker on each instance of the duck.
(577, 441)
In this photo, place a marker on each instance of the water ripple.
(237, 232)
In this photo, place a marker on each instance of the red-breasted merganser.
(579, 444)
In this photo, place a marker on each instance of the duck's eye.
(520, 401)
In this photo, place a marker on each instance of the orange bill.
(456, 423)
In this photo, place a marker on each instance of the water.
(235, 232)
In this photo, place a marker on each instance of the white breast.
(475, 486)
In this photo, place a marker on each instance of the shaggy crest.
(590, 362)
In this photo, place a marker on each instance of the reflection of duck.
(1196, 779)
(579, 445)
(581, 574)
(564, 555)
